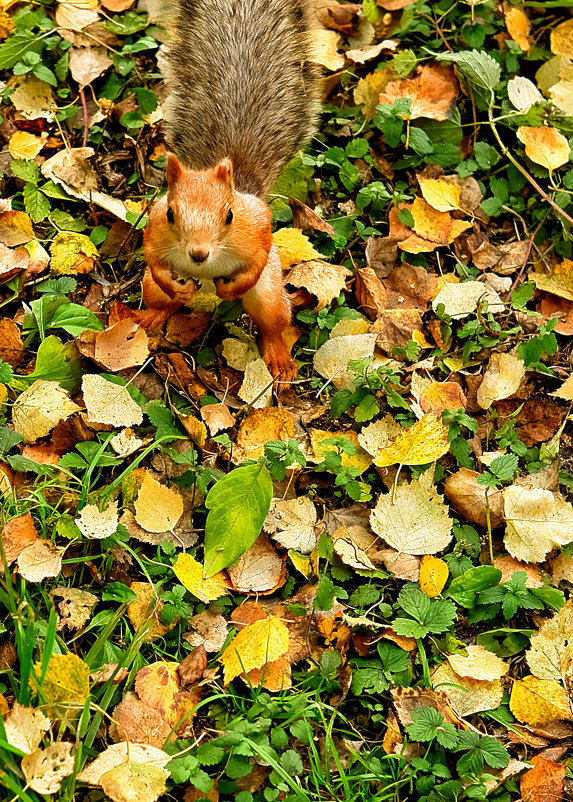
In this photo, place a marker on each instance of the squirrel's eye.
(229, 218)
(170, 217)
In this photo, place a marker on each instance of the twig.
(86, 116)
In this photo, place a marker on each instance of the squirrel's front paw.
(227, 290)
(184, 292)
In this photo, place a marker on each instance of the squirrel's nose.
(199, 253)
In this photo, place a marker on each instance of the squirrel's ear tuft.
(174, 169)
(224, 171)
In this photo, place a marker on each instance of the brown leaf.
(544, 782)
(321, 279)
(303, 216)
(217, 417)
(408, 699)
(370, 292)
(75, 607)
(381, 254)
(467, 497)
(191, 669)
(137, 722)
(403, 566)
(552, 306)
(11, 345)
(537, 421)
(509, 565)
(441, 396)
(410, 286)
(433, 92)
(17, 534)
(183, 329)
(147, 607)
(259, 570)
(124, 345)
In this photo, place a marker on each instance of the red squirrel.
(242, 99)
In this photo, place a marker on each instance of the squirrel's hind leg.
(268, 306)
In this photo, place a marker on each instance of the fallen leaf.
(379, 434)
(307, 219)
(560, 308)
(11, 345)
(109, 403)
(258, 428)
(536, 522)
(539, 701)
(97, 524)
(433, 92)
(158, 685)
(545, 146)
(208, 628)
(501, 379)
(25, 727)
(34, 98)
(351, 544)
(17, 534)
(259, 569)
(157, 507)
(466, 696)
(40, 560)
(408, 699)
(39, 408)
(66, 682)
(371, 294)
(239, 353)
(190, 573)
(75, 608)
(148, 607)
(559, 282)
(119, 754)
(517, 24)
(359, 459)
(293, 247)
(416, 521)
(88, 63)
(324, 49)
(425, 441)
(562, 39)
(217, 417)
(292, 523)
(433, 575)
(433, 225)
(523, 93)
(124, 345)
(320, 278)
(126, 442)
(332, 358)
(134, 782)
(468, 497)
(256, 645)
(441, 195)
(544, 782)
(257, 387)
(23, 145)
(72, 253)
(460, 300)
(403, 566)
(441, 396)
(479, 663)
(509, 565)
(45, 769)
(550, 655)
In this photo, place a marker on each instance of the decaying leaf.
(433, 92)
(123, 345)
(536, 522)
(109, 403)
(44, 769)
(550, 655)
(208, 628)
(325, 49)
(321, 279)
(147, 609)
(75, 608)
(40, 408)
(253, 647)
(467, 696)
(353, 544)
(17, 534)
(479, 663)
(417, 521)
(559, 281)
(425, 441)
(331, 359)
(217, 417)
(258, 428)
(502, 378)
(65, 684)
(539, 701)
(25, 727)
(292, 523)
(97, 524)
(544, 782)
(158, 508)
(259, 569)
(40, 560)
(468, 497)
(131, 754)
(460, 300)
(257, 386)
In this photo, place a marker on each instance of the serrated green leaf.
(480, 69)
(428, 723)
(27, 171)
(36, 203)
(238, 505)
(504, 467)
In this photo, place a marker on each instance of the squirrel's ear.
(174, 169)
(224, 171)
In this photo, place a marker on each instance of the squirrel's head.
(200, 207)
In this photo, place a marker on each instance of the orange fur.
(189, 236)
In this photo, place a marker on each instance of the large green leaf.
(238, 505)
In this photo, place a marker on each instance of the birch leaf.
(536, 522)
(425, 441)
(256, 645)
(190, 573)
(537, 701)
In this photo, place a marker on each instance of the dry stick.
(524, 172)
(86, 116)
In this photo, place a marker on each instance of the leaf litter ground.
(360, 588)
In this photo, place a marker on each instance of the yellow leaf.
(441, 195)
(562, 39)
(517, 24)
(147, 607)
(425, 441)
(40, 408)
(23, 145)
(550, 655)
(256, 645)
(559, 281)
(545, 146)
(566, 390)
(501, 379)
(158, 507)
(324, 49)
(539, 701)
(72, 253)
(6, 23)
(66, 682)
(190, 573)
(466, 696)
(479, 663)
(360, 459)
(293, 247)
(433, 575)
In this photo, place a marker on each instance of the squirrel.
(241, 102)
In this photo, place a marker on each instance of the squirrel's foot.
(228, 290)
(279, 361)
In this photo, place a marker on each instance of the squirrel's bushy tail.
(241, 86)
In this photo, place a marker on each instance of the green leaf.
(393, 658)
(504, 467)
(27, 171)
(6, 373)
(8, 439)
(163, 420)
(428, 723)
(480, 69)
(75, 319)
(238, 505)
(36, 203)
(430, 615)
(464, 588)
(57, 362)
(291, 762)
(14, 48)
(324, 598)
